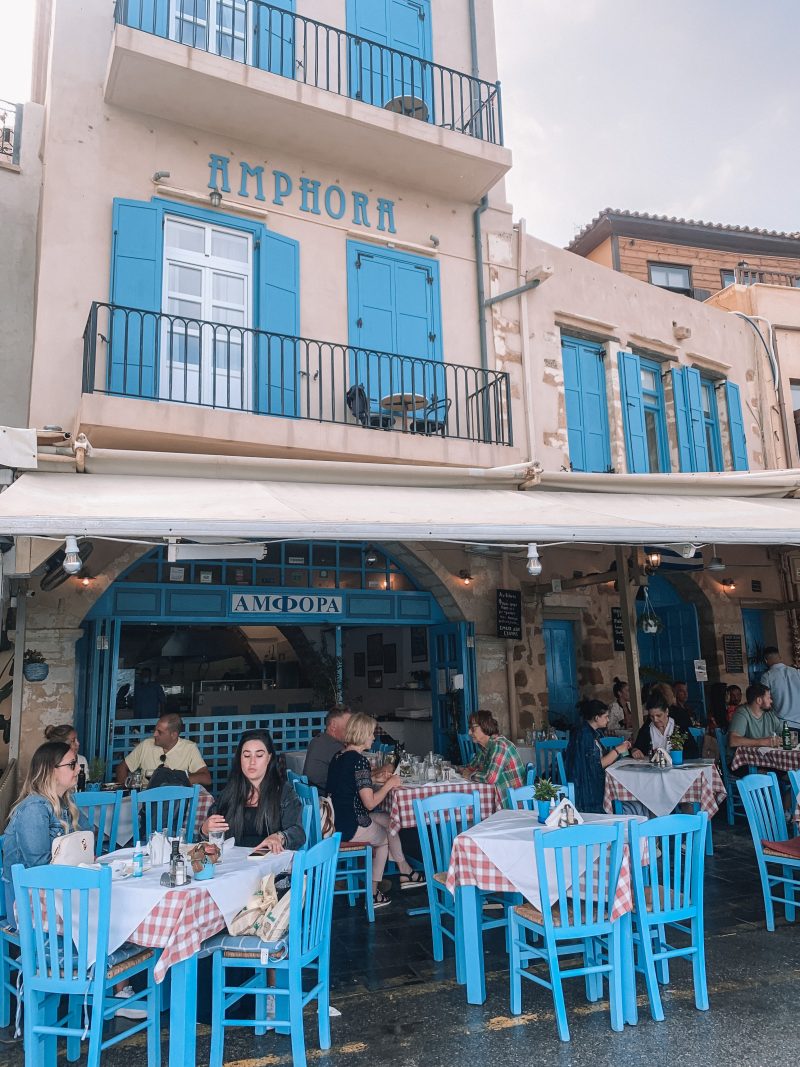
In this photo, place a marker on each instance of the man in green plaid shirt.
(497, 762)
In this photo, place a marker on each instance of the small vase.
(205, 872)
(677, 757)
(543, 807)
(35, 672)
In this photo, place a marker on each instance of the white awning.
(43, 504)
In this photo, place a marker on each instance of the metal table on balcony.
(408, 105)
(402, 404)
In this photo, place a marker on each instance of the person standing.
(324, 746)
(783, 683)
(149, 699)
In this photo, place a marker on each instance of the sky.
(686, 108)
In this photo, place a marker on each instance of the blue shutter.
(152, 16)
(694, 399)
(277, 368)
(572, 397)
(371, 299)
(378, 76)
(595, 408)
(682, 421)
(135, 283)
(736, 427)
(368, 23)
(630, 377)
(273, 34)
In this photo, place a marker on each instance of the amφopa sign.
(285, 604)
(333, 200)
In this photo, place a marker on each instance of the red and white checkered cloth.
(767, 759)
(401, 813)
(708, 794)
(204, 804)
(181, 921)
(469, 865)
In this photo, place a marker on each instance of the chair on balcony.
(434, 418)
(361, 410)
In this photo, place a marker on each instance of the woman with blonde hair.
(45, 810)
(354, 802)
(67, 733)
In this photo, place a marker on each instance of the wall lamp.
(465, 576)
(534, 564)
(371, 557)
(160, 175)
(215, 196)
(653, 560)
(729, 584)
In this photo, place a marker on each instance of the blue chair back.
(584, 904)
(761, 797)
(675, 850)
(466, 748)
(3, 912)
(522, 797)
(550, 760)
(311, 904)
(312, 823)
(698, 733)
(440, 819)
(293, 777)
(169, 808)
(611, 742)
(58, 945)
(102, 810)
(794, 783)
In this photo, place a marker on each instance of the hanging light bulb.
(534, 564)
(715, 563)
(72, 557)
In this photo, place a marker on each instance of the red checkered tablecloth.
(204, 804)
(708, 794)
(767, 759)
(181, 921)
(469, 865)
(401, 813)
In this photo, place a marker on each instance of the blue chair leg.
(766, 890)
(296, 1017)
(558, 995)
(789, 893)
(628, 970)
(368, 886)
(515, 965)
(74, 1021)
(5, 981)
(467, 900)
(650, 977)
(662, 967)
(699, 965)
(323, 1003)
(49, 1015)
(261, 1004)
(218, 1000)
(615, 978)
(351, 884)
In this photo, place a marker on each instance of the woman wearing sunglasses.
(44, 811)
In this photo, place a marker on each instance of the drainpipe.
(473, 39)
(479, 210)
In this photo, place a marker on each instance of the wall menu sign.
(734, 654)
(509, 614)
(617, 631)
(284, 604)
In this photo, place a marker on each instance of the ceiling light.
(534, 565)
(715, 563)
(371, 557)
(653, 559)
(465, 576)
(72, 557)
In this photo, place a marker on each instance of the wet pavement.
(399, 1006)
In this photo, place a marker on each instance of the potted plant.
(676, 743)
(543, 792)
(34, 666)
(97, 772)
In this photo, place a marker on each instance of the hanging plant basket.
(35, 672)
(649, 622)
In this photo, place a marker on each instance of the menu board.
(616, 630)
(509, 614)
(734, 655)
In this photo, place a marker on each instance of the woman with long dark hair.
(586, 759)
(258, 807)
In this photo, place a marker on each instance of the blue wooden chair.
(467, 749)
(522, 796)
(577, 923)
(58, 953)
(611, 742)
(307, 948)
(734, 805)
(779, 873)
(794, 784)
(668, 895)
(9, 957)
(293, 777)
(699, 734)
(102, 810)
(169, 808)
(550, 761)
(312, 822)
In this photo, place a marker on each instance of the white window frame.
(211, 26)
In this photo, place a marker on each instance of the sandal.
(380, 900)
(415, 880)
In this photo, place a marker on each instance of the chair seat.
(353, 846)
(241, 946)
(126, 957)
(440, 877)
(533, 915)
(789, 850)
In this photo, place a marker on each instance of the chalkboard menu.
(617, 630)
(509, 614)
(734, 655)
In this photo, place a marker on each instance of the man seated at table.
(755, 723)
(166, 748)
(324, 746)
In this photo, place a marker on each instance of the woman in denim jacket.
(44, 811)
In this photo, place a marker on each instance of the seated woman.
(497, 763)
(586, 759)
(619, 713)
(44, 811)
(67, 733)
(657, 731)
(354, 803)
(258, 807)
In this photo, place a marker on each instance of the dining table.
(401, 802)
(403, 404)
(660, 790)
(178, 921)
(497, 855)
(766, 759)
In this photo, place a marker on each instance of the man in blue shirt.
(149, 699)
(784, 684)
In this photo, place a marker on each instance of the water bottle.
(138, 860)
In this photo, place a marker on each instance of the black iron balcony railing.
(156, 356)
(300, 48)
(10, 123)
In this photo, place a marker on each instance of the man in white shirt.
(166, 748)
(784, 684)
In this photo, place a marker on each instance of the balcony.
(10, 122)
(744, 275)
(181, 362)
(280, 80)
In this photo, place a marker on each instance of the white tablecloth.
(235, 879)
(659, 790)
(506, 839)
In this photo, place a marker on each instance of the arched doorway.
(670, 654)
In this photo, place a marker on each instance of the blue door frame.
(672, 652)
(753, 620)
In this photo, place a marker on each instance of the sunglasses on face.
(73, 763)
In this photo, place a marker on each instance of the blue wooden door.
(562, 678)
(390, 46)
(753, 620)
(452, 650)
(672, 652)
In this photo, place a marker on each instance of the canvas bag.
(71, 850)
(264, 915)
(326, 817)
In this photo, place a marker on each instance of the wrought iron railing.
(330, 58)
(10, 115)
(156, 356)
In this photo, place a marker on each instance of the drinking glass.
(217, 837)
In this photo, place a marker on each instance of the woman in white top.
(68, 735)
(619, 713)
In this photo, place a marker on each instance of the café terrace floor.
(399, 1006)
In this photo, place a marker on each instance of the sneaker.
(134, 1011)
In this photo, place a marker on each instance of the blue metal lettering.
(310, 187)
(252, 172)
(283, 187)
(219, 165)
(386, 212)
(360, 201)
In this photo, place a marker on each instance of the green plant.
(97, 769)
(545, 790)
(33, 655)
(323, 675)
(677, 740)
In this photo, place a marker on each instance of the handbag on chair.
(71, 850)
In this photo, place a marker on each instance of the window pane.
(649, 380)
(727, 277)
(185, 236)
(651, 433)
(188, 308)
(795, 396)
(229, 246)
(228, 288)
(228, 317)
(706, 392)
(188, 281)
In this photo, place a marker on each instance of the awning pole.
(627, 603)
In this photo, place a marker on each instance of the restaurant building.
(319, 394)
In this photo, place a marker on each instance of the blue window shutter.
(694, 399)
(630, 376)
(135, 283)
(274, 37)
(404, 25)
(595, 408)
(682, 420)
(736, 427)
(572, 396)
(278, 312)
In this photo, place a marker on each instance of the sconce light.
(86, 581)
(215, 196)
(72, 558)
(729, 584)
(465, 576)
(653, 560)
(371, 556)
(160, 175)
(534, 564)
